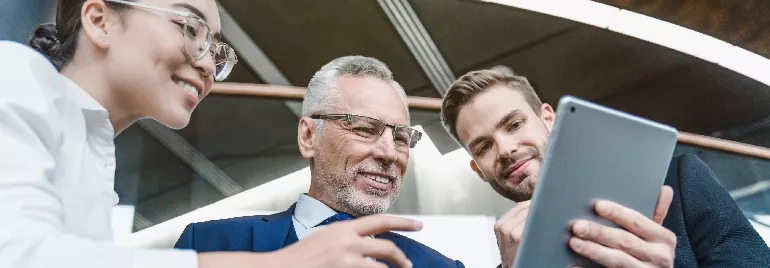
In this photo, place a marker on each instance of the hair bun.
(44, 40)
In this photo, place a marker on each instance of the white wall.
(469, 239)
(122, 221)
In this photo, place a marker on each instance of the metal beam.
(755, 188)
(743, 131)
(197, 161)
(254, 57)
(413, 33)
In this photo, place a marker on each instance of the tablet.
(594, 152)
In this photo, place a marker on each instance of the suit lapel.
(270, 232)
(400, 243)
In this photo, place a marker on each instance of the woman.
(115, 62)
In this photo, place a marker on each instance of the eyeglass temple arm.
(333, 116)
(161, 9)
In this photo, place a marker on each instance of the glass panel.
(158, 183)
(251, 140)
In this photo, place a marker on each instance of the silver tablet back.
(593, 153)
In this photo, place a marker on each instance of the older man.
(355, 133)
(505, 127)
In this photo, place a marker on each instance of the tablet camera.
(572, 109)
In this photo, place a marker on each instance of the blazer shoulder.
(218, 235)
(237, 222)
(688, 165)
(685, 158)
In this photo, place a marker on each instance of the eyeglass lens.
(198, 41)
(372, 129)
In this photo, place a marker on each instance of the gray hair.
(321, 91)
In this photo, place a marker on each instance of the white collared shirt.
(308, 213)
(57, 167)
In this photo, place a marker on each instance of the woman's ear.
(97, 21)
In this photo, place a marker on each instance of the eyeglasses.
(372, 129)
(197, 37)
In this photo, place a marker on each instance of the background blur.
(608, 51)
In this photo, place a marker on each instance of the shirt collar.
(85, 101)
(95, 114)
(310, 212)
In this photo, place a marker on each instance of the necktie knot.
(335, 218)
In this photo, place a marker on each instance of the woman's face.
(148, 68)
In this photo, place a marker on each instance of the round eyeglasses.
(198, 39)
(198, 43)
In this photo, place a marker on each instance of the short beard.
(341, 189)
(521, 193)
(526, 187)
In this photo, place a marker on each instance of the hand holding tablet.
(640, 242)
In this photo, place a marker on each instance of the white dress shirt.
(308, 213)
(57, 167)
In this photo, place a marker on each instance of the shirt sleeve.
(31, 227)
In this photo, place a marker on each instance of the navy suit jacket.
(270, 232)
(710, 228)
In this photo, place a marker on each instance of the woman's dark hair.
(59, 41)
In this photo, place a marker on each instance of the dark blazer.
(711, 230)
(272, 232)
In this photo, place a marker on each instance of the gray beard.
(341, 189)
